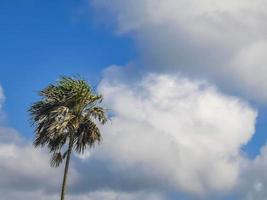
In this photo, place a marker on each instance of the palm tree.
(65, 120)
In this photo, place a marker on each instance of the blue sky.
(170, 45)
(41, 41)
(38, 46)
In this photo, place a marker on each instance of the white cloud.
(250, 67)
(171, 134)
(168, 135)
(22, 167)
(221, 40)
(107, 195)
(253, 180)
(25, 171)
(25, 174)
(2, 98)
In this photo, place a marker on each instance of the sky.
(185, 76)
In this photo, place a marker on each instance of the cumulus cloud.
(253, 179)
(169, 134)
(2, 98)
(224, 41)
(24, 171)
(107, 195)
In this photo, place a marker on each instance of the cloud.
(168, 134)
(22, 168)
(26, 174)
(24, 171)
(107, 195)
(2, 99)
(119, 196)
(253, 179)
(223, 41)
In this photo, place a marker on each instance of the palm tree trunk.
(63, 189)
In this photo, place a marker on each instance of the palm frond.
(66, 110)
(86, 136)
(97, 113)
(56, 159)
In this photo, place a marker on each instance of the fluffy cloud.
(253, 179)
(24, 171)
(2, 98)
(169, 134)
(119, 196)
(107, 195)
(224, 41)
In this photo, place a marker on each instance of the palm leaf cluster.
(67, 114)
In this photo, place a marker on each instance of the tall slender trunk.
(64, 183)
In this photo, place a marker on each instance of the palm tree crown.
(67, 114)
